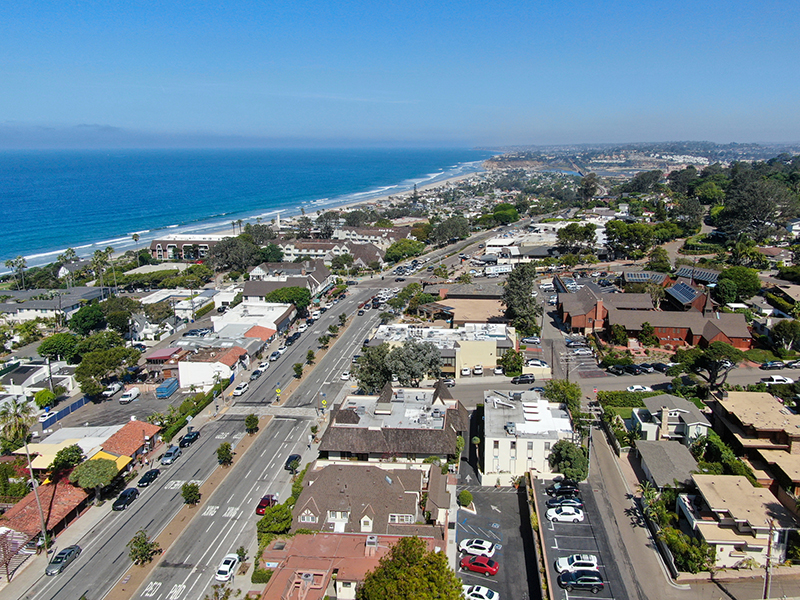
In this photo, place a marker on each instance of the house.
(359, 499)
(184, 247)
(408, 424)
(326, 565)
(666, 463)
(682, 296)
(135, 438)
(691, 328)
(587, 310)
(268, 277)
(27, 378)
(205, 366)
(61, 502)
(697, 275)
(382, 237)
(793, 227)
(70, 269)
(776, 255)
(18, 306)
(520, 429)
(737, 520)
(363, 253)
(668, 417)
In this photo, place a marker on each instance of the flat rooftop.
(762, 411)
(409, 408)
(443, 337)
(735, 495)
(531, 415)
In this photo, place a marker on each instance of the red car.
(266, 502)
(480, 564)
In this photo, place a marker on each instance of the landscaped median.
(127, 586)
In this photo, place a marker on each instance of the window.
(401, 518)
(496, 446)
(530, 446)
(334, 515)
(514, 449)
(347, 584)
(546, 446)
(308, 518)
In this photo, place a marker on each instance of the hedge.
(779, 303)
(624, 398)
(261, 575)
(201, 312)
(173, 429)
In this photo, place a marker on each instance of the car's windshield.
(59, 559)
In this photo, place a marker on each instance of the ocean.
(88, 200)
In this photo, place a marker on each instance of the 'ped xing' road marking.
(176, 591)
(210, 511)
(151, 589)
(231, 512)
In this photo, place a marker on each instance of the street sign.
(278, 391)
(595, 390)
(324, 403)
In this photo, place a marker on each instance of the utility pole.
(768, 564)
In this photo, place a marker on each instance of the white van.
(130, 395)
(316, 314)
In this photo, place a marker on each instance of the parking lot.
(586, 537)
(499, 520)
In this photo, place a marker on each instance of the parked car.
(449, 382)
(646, 367)
(255, 374)
(477, 370)
(241, 388)
(772, 365)
(275, 356)
(565, 514)
(616, 370)
(522, 379)
(565, 501)
(302, 328)
(282, 350)
(148, 478)
(536, 362)
(660, 367)
(130, 395)
(189, 439)
(639, 388)
(227, 568)
(171, 455)
(345, 376)
(576, 343)
(480, 564)
(125, 498)
(777, 379)
(498, 370)
(532, 340)
(563, 486)
(583, 352)
(793, 364)
(477, 547)
(576, 562)
(581, 580)
(466, 372)
(478, 592)
(632, 369)
(292, 338)
(62, 560)
(291, 460)
(266, 502)
(112, 389)
(361, 312)
(263, 366)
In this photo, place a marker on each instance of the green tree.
(324, 340)
(87, 319)
(298, 370)
(411, 572)
(691, 554)
(786, 333)
(158, 312)
(512, 362)
(333, 330)
(372, 370)
(44, 398)
(225, 454)
(234, 254)
(413, 361)
(251, 423)
(658, 260)
(505, 213)
(60, 346)
(140, 549)
(456, 227)
(299, 296)
(404, 248)
(66, 458)
(564, 392)
(102, 364)
(276, 521)
(441, 271)
(588, 187)
(647, 335)
(464, 278)
(94, 475)
(718, 360)
(747, 282)
(726, 291)
(521, 308)
(464, 498)
(342, 320)
(310, 357)
(619, 335)
(342, 261)
(569, 459)
(271, 253)
(191, 493)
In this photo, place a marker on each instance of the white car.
(582, 352)
(346, 376)
(477, 547)
(565, 514)
(263, 366)
(780, 379)
(498, 370)
(227, 568)
(46, 415)
(282, 349)
(478, 592)
(639, 388)
(535, 362)
(241, 389)
(302, 328)
(478, 370)
(465, 372)
(576, 562)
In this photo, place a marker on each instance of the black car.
(565, 487)
(521, 379)
(361, 312)
(149, 477)
(125, 498)
(616, 370)
(399, 278)
(189, 439)
(292, 339)
(582, 579)
(292, 462)
(633, 370)
(772, 365)
(573, 501)
(661, 367)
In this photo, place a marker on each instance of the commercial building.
(184, 247)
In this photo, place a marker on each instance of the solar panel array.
(637, 276)
(698, 274)
(683, 293)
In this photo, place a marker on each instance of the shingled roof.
(130, 439)
(58, 498)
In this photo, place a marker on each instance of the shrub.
(190, 493)
(464, 498)
(261, 575)
(623, 398)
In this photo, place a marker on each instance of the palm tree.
(135, 237)
(16, 419)
(233, 224)
(10, 264)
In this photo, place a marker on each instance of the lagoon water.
(52, 200)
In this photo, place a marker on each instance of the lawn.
(761, 355)
(623, 411)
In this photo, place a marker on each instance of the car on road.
(345, 376)
(465, 372)
(112, 389)
(266, 501)
(616, 370)
(583, 352)
(581, 580)
(399, 278)
(576, 562)
(777, 379)
(263, 366)
(536, 362)
(292, 338)
(449, 382)
(564, 514)
(125, 498)
(293, 458)
(477, 370)
(559, 488)
(255, 374)
(531, 340)
(480, 564)
(361, 312)
(275, 356)
(227, 568)
(565, 501)
(792, 364)
(241, 388)
(189, 439)
(302, 328)
(171, 455)
(522, 379)
(148, 478)
(772, 365)
(478, 592)
(639, 388)
(62, 560)
(477, 547)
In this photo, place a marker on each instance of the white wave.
(172, 226)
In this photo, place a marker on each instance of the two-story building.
(668, 417)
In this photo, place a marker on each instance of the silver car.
(62, 559)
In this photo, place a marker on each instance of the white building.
(205, 366)
(520, 430)
(273, 316)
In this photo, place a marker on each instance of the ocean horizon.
(91, 199)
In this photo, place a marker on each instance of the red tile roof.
(58, 500)
(128, 440)
(262, 333)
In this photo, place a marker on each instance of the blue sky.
(417, 73)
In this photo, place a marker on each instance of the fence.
(57, 416)
(655, 530)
